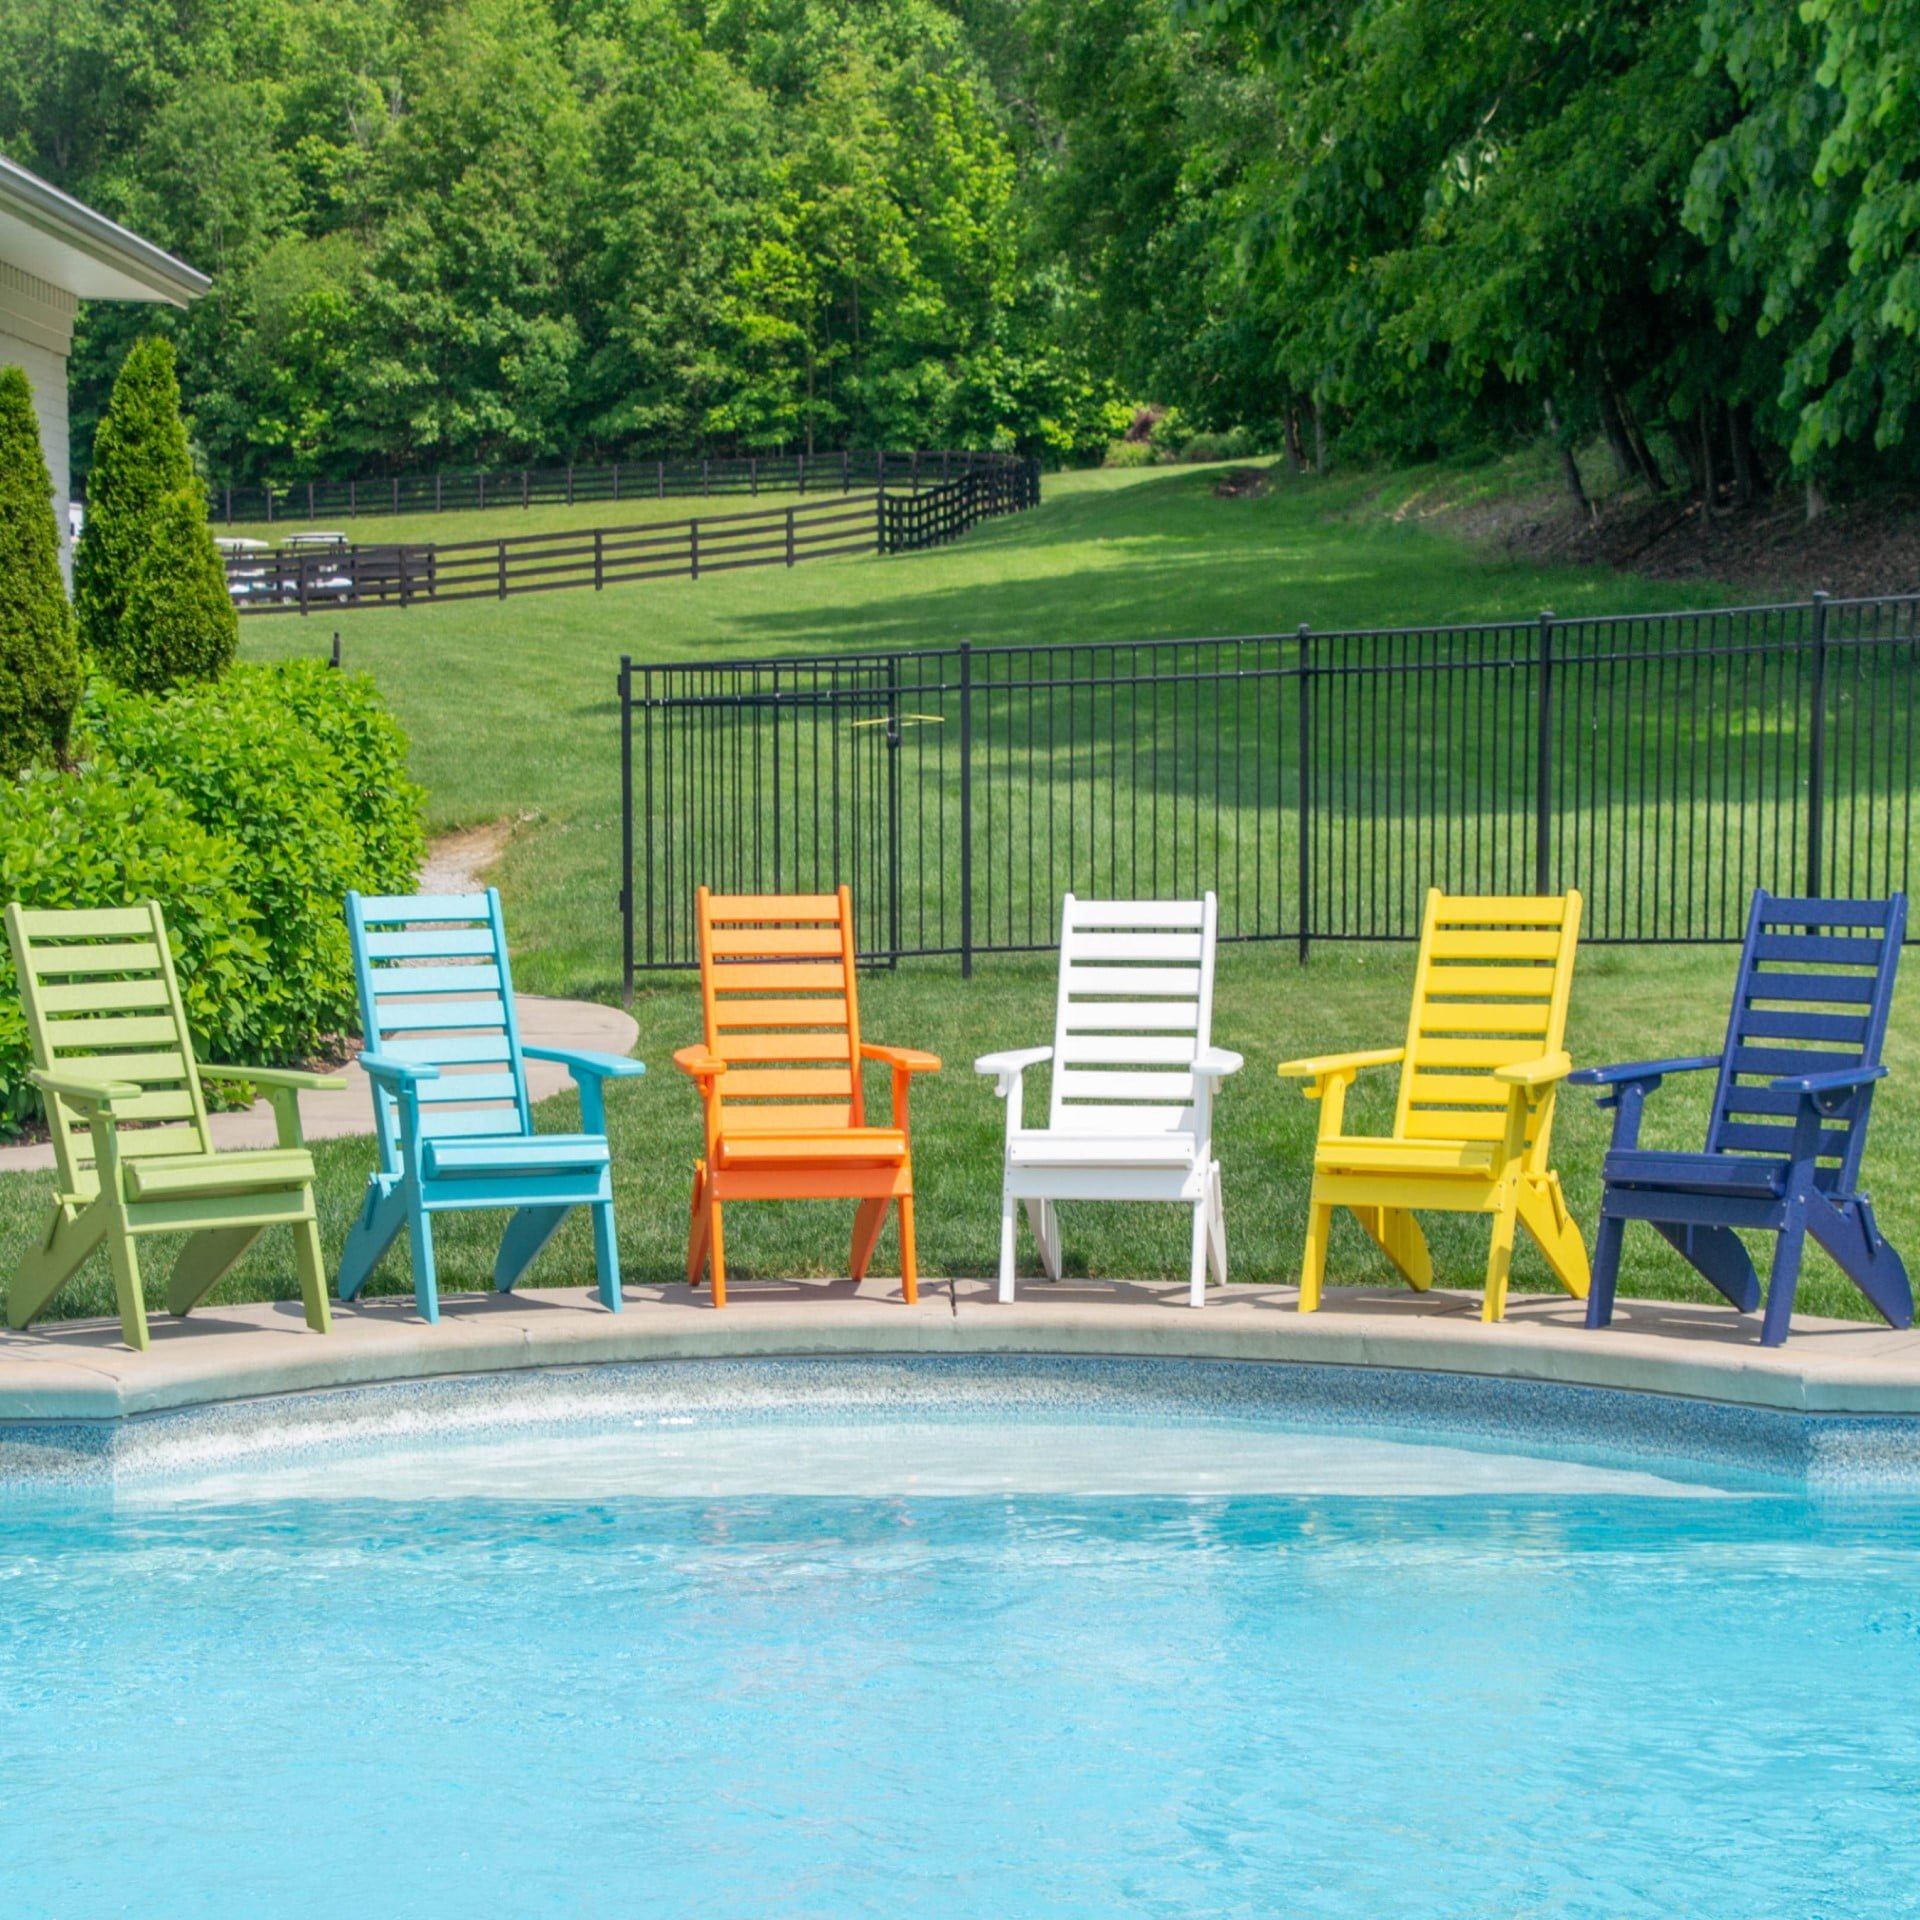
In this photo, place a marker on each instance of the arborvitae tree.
(39, 658)
(140, 459)
(179, 619)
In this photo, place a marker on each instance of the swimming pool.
(958, 1652)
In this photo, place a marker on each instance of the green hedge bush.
(104, 836)
(247, 807)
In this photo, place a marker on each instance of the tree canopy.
(502, 230)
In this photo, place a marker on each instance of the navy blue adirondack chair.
(450, 1096)
(1789, 1121)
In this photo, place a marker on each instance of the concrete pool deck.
(80, 1370)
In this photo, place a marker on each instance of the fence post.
(481, 480)
(436, 490)
(1304, 858)
(626, 829)
(789, 536)
(353, 499)
(706, 476)
(396, 493)
(693, 547)
(269, 504)
(309, 499)
(599, 564)
(616, 481)
(753, 474)
(229, 494)
(300, 562)
(1543, 761)
(660, 478)
(501, 553)
(966, 810)
(1817, 747)
(334, 662)
(843, 470)
(526, 496)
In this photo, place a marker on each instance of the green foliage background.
(246, 807)
(488, 231)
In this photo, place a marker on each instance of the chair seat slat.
(1456, 1090)
(1819, 949)
(729, 1013)
(430, 943)
(768, 943)
(1132, 981)
(798, 1083)
(474, 978)
(1147, 948)
(1100, 1016)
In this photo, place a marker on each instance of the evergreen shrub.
(144, 572)
(39, 657)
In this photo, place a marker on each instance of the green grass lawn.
(512, 713)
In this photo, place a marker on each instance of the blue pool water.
(912, 1671)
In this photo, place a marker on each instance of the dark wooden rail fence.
(325, 579)
(672, 478)
(928, 517)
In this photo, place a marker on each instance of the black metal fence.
(674, 477)
(1318, 782)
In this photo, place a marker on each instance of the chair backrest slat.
(1135, 1005)
(1491, 989)
(101, 998)
(782, 1008)
(1812, 995)
(436, 990)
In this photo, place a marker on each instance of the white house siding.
(36, 331)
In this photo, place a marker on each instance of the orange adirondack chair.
(780, 1076)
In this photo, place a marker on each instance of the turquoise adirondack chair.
(455, 1126)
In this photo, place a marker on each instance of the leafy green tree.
(140, 461)
(39, 659)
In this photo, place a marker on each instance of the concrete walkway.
(81, 1370)
(583, 1024)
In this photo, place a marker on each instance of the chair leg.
(1606, 1270)
(1006, 1249)
(1493, 1303)
(1397, 1234)
(1313, 1256)
(527, 1234)
(1543, 1212)
(1216, 1227)
(717, 1252)
(699, 1225)
(1784, 1281)
(312, 1268)
(1849, 1232)
(383, 1213)
(1045, 1222)
(909, 1254)
(1197, 1275)
(1717, 1255)
(45, 1269)
(205, 1260)
(126, 1287)
(426, 1282)
(868, 1219)
(606, 1255)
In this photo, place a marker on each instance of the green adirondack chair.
(114, 1064)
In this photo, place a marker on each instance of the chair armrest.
(596, 1066)
(1534, 1074)
(294, 1079)
(902, 1059)
(82, 1089)
(1016, 1061)
(1215, 1063)
(396, 1075)
(1638, 1070)
(1325, 1064)
(699, 1063)
(1826, 1090)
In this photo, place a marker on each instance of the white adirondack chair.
(1134, 1071)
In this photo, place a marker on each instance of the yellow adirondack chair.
(1483, 1059)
